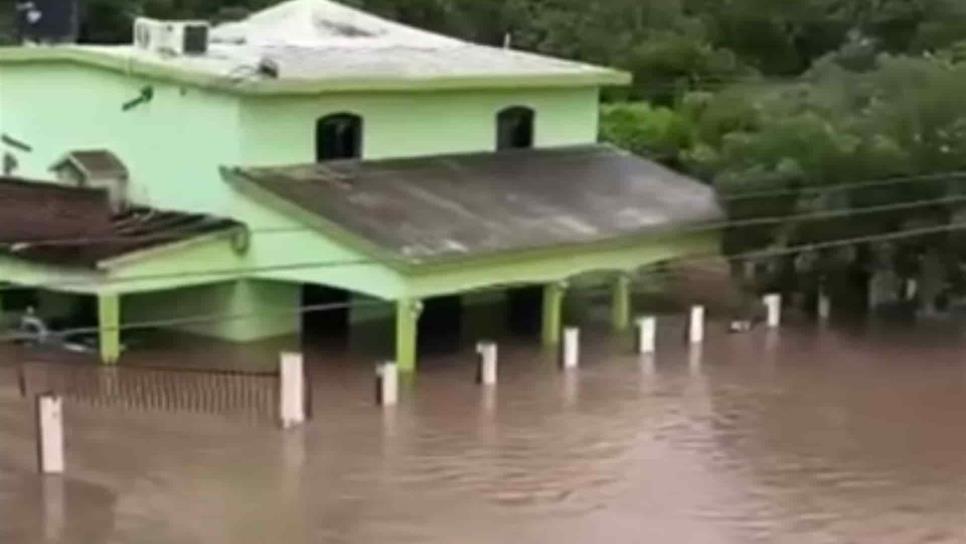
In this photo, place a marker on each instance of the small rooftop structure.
(95, 169)
(422, 210)
(93, 164)
(311, 46)
(53, 224)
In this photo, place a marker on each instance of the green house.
(226, 171)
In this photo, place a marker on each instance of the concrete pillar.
(109, 327)
(646, 334)
(570, 356)
(824, 305)
(911, 290)
(696, 325)
(387, 384)
(50, 434)
(621, 303)
(487, 372)
(552, 322)
(407, 331)
(291, 390)
(773, 306)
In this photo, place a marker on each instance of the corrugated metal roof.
(70, 226)
(431, 208)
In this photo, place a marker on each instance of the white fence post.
(773, 304)
(487, 371)
(824, 306)
(50, 433)
(387, 384)
(911, 289)
(571, 348)
(646, 334)
(696, 325)
(292, 390)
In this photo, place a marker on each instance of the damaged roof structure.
(75, 227)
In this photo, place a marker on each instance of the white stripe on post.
(646, 334)
(696, 325)
(487, 371)
(50, 433)
(571, 348)
(387, 384)
(773, 304)
(292, 390)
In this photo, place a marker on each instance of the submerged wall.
(240, 311)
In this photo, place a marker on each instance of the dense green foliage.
(749, 95)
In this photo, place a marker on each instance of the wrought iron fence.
(250, 396)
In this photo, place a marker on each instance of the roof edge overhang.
(137, 256)
(413, 267)
(600, 77)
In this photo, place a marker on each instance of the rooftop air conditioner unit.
(171, 37)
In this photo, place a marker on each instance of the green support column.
(621, 303)
(407, 328)
(109, 325)
(553, 296)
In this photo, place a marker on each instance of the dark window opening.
(338, 137)
(514, 128)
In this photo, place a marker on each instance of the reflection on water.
(799, 435)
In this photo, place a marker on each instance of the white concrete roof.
(323, 41)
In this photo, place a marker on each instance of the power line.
(845, 186)
(824, 214)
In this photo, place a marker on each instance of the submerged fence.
(250, 396)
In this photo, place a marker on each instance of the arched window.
(514, 128)
(338, 136)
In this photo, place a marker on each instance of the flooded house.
(315, 156)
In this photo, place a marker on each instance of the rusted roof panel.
(71, 226)
(35, 210)
(424, 209)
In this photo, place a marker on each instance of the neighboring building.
(369, 159)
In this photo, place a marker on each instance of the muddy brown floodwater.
(809, 435)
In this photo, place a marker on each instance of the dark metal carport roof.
(430, 208)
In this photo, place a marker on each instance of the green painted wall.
(241, 311)
(174, 144)
(399, 125)
(285, 249)
(171, 145)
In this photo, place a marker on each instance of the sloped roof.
(321, 45)
(421, 210)
(53, 224)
